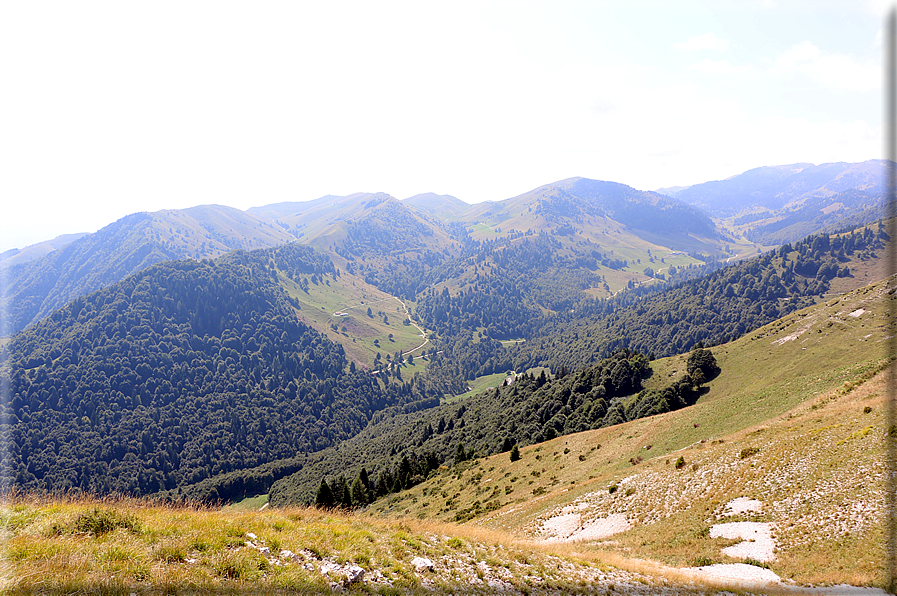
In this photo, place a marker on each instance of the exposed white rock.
(353, 573)
(569, 527)
(422, 564)
(748, 576)
(758, 541)
(328, 568)
(743, 505)
(251, 536)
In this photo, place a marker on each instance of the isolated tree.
(515, 453)
(703, 360)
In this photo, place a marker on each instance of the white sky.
(114, 107)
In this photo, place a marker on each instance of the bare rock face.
(422, 564)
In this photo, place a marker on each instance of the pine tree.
(360, 495)
(460, 453)
(515, 453)
(324, 498)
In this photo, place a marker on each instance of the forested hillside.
(183, 371)
(713, 309)
(34, 289)
(399, 452)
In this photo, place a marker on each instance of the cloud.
(707, 41)
(838, 72)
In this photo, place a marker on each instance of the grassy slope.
(59, 546)
(356, 332)
(794, 400)
(616, 241)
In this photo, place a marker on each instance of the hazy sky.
(114, 107)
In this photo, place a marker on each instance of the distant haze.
(116, 108)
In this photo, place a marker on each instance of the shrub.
(867, 409)
(701, 562)
(103, 521)
(680, 463)
(749, 451)
(612, 488)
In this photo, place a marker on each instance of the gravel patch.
(569, 527)
(746, 576)
(743, 505)
(758, 541)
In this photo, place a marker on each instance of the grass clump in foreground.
(124, 546)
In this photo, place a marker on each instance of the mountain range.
(558, 356)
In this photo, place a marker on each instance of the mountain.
(759, 186)
(599, 209)
(772, 198)
(445, 207)
(16, 256)
(714, 308)
(184, 370)
(35, 288)
(359, 222)
(601, 391)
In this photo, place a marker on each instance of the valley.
(583, 388)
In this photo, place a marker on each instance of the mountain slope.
(445, 207)
(795, 419)
(532, 409)
(715, 308)
(360, 221)
(779, 204)
(15, 256)
(600, 209)
(36, 288)
(181, 371)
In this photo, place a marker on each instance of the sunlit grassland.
(248, 503)
(361, 335)
(487, 382)
(122, 546)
